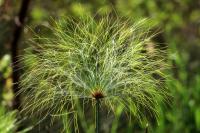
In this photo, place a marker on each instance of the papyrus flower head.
(88, 59)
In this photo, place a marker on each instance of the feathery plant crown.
(93, 59)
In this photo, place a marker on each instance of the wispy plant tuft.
(107, 60)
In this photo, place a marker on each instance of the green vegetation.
(100, 61)
(178, 22)
(9, 122)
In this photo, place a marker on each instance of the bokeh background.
(179, 24)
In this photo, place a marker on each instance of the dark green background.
(179, 23)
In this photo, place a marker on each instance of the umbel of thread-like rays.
(90, 59)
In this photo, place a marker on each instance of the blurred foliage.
(5, 73)
(179, 23)
(9, 122)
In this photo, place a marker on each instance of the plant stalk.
(19, 23)
(97, 115)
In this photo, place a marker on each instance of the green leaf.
(197, 118)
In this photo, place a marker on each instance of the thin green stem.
(97, 115)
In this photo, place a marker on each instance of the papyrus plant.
(105, 62)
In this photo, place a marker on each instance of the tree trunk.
(19, 22)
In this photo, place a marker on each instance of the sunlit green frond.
(88, 59)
